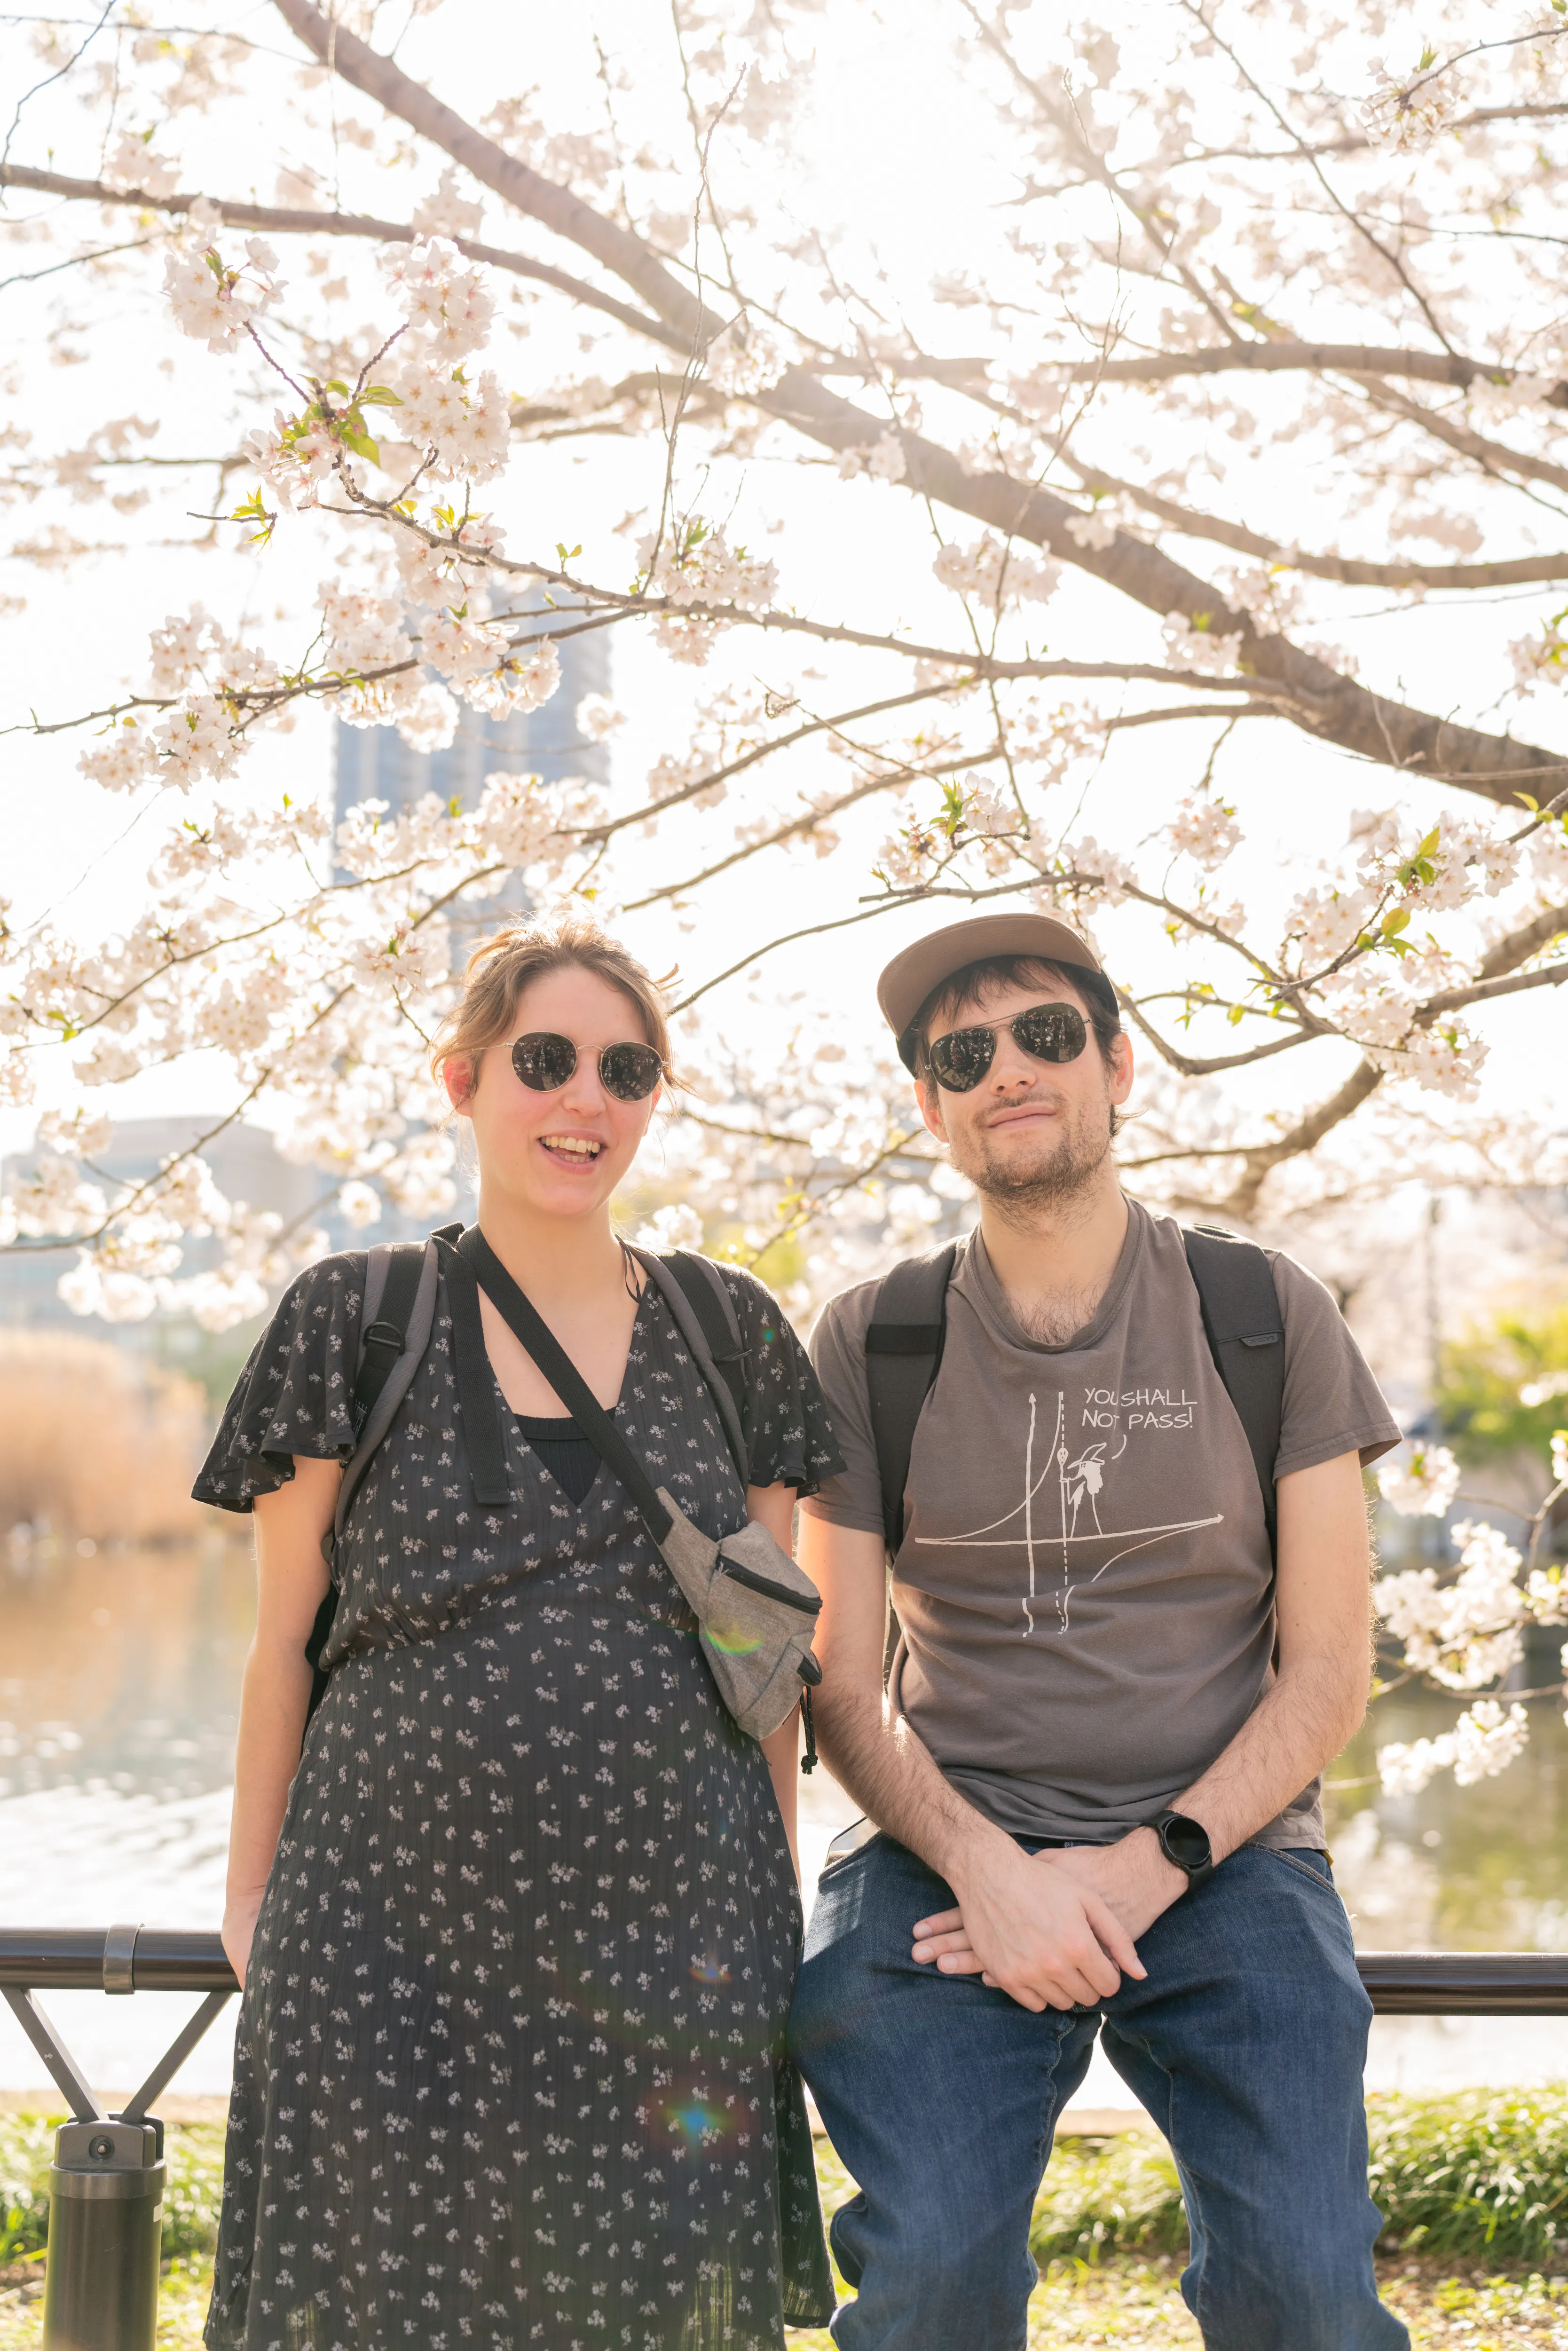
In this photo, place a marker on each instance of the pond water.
(119, 1693)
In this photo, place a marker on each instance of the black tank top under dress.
(510, 2066)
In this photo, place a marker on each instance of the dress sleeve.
(788, 1424)
(294, 1394)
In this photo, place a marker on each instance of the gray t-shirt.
(1084, 1585)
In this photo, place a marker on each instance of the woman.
(518, 1927)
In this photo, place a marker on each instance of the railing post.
(106, 2232)
(106, 2184)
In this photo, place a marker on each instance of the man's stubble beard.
(1068, 1173)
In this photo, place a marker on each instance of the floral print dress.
(510, 2067)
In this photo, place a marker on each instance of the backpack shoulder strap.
(380, 1341)
(903, 1355)
(396, 1315)
(1246, 1335)
(696, 1293)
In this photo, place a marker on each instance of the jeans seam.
(1189, 2192)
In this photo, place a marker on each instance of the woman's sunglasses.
(1046, 1033)
(545, 1062)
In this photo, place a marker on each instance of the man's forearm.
(1297, 1727)
(877, 1758)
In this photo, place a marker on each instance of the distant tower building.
(374, 763)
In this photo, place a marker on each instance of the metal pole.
(106, 2184)
(106, 2233)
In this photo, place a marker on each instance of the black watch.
(1185, 1843)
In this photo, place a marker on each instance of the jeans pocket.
(849, 1842)
(1306, 1862)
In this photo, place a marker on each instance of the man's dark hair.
(973, 982)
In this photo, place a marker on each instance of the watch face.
(1187, 1842)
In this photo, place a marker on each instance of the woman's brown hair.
(500, 968)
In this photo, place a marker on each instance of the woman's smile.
(572, 1150)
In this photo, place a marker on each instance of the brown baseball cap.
(916, 971)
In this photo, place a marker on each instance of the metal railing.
(106, 2185)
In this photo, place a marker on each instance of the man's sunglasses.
(1046, 1033)
(545, 1062)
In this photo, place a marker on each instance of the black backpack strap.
(708, 1293)
(694, 1291)
(1246, 1335)
(393, 1276)
(396, 1314)
(903, 1355)
(477, 1395)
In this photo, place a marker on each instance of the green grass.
(1478, 2180)
(1483, 2172)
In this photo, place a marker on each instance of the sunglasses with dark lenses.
(1046, 1033)
(545, 1062)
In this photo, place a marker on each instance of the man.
(1093, 1633)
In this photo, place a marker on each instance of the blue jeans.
(1246, 2043)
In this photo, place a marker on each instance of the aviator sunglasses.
(544, 1062)
(1046, 1033)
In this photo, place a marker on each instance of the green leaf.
(1429, 846)
(335, 383)
(359, 442)
(564, 552)
(380, 396)
(1234, 1015)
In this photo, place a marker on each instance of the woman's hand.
(238, 1931)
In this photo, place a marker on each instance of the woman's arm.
(291, 1583)
(774, 1507)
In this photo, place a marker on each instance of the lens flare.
(735, 1645)
(697, 2122)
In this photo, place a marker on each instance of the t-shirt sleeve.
(853, 1498)
(294, 1394)
(789, 1427)
(1332, 1403)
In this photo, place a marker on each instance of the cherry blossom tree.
(1464, 1630)
(1257, 344)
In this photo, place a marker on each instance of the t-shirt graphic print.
(1058, 1526)
(1084, 1586)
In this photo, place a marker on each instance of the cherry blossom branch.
(806, 823)
(277, 220)
(1486, 991)
(1477, 49)
(722, 775)
(1270, 359)
(1493, 457)
(1512, 571)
